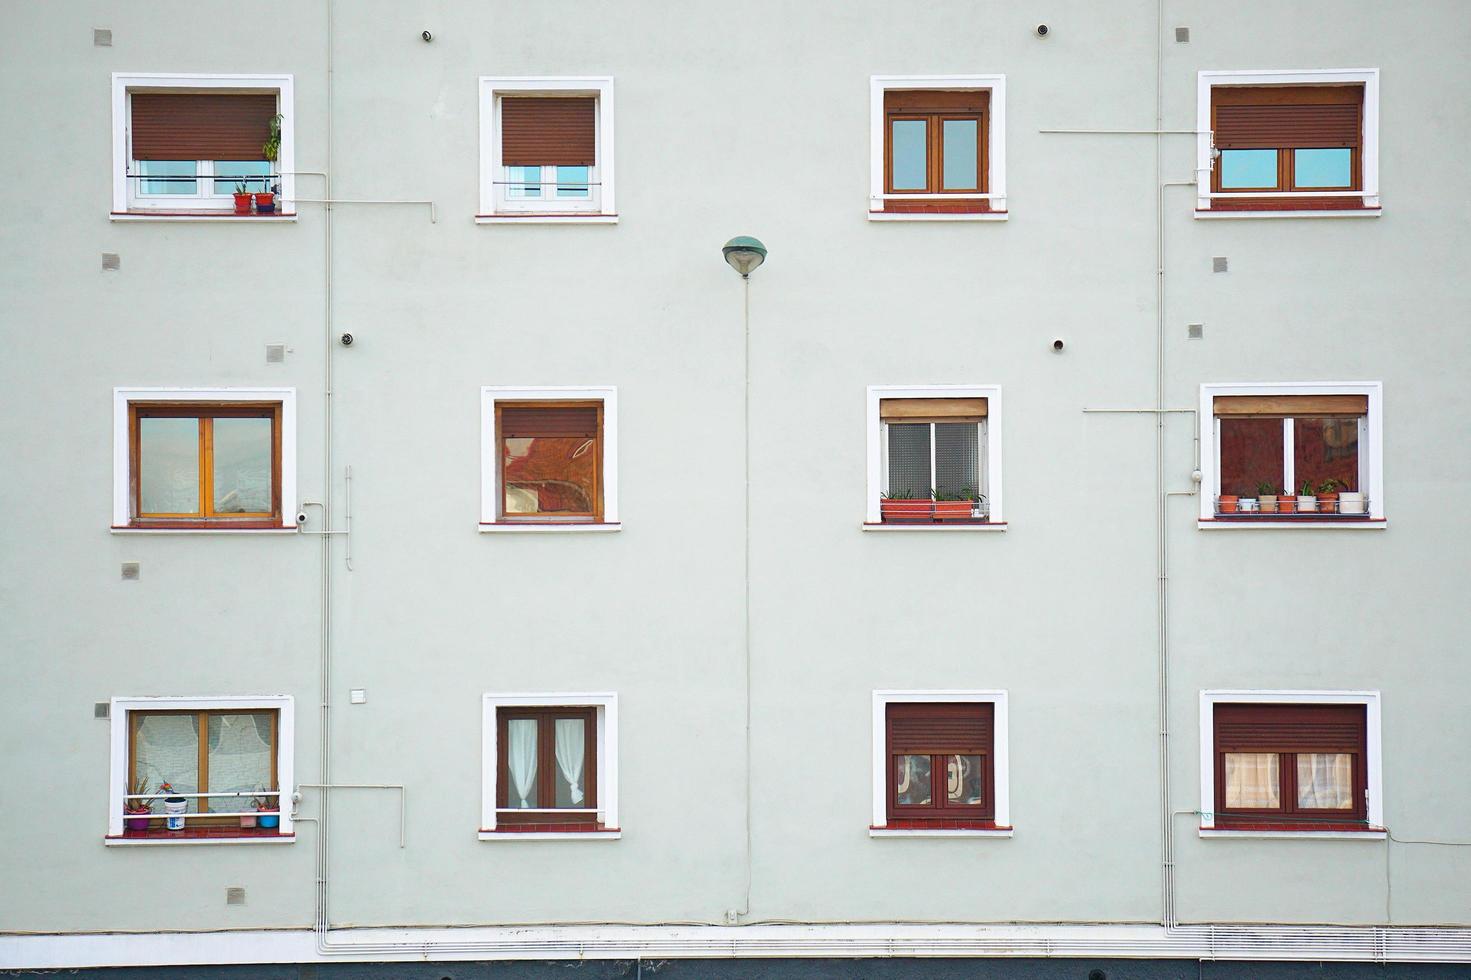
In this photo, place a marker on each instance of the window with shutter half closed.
(548, 131)
(200, 126)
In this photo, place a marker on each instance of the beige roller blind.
(1283, 405)
(945, 409)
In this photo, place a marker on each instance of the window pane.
(963, 776)
(168, 176)
(571, 746)
(1324, 450)
(957, 461)
(1325, 781)
(910, 161)
(572, 182)
(233, 170)
(168, 463)
(1251, 454)
(1322, 168)
(961, 147)
(242, 477)
(550, 475)
(240, 751)
(1248, 168)
(523, 182)
(912, 780)
(521, 763)
(166, 749)
(1252, 781)
(909, 461)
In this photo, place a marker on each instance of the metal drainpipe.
(324, 762)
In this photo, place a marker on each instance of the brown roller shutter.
(1290, 728)
(201, 126)
(1287, 118)
(533, 422)
(940, 728)
(910, 409)
(1278, 406)
(931, 100)
(548, 131)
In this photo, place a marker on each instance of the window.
(1292, 141)
(186, 769)
(549, 459)
(934, 457)
(205, 459)
(1292, 454)
(938, 147)
(1295, 762)
(551, 766)
(940, 762)
(184, 145)
(546, 149)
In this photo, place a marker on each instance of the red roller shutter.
(940, 728)
(548, 131)
(1290, 728)
(548, 423)
(1288, 117)
(200, 126)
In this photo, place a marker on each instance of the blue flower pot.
(268, 820)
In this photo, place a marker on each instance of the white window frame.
(490, 475)
(1371, 449)
(990, 448)
(1000, 763)
(130, 204)
(117, 784)
(1372, 749)
(606, 705)
(495, 207)
(122, 461)
(996, 148)
(1369, 154)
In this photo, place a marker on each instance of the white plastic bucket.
(174, 806)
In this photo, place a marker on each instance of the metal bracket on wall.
(347, 516)
(402, 801)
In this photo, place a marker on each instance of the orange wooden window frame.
(205, 413)
(1286, 161)
(930, 108)
(135, 719)
(560, 517)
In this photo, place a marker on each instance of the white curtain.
(521, 759)
(571, 747)
(1252, 780)
(1325, 781)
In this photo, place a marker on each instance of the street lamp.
(744, 254)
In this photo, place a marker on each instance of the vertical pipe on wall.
(1162, 586)
(324, 763)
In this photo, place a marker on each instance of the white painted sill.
(546, 219)
(500, 835)
(1374, 524)
(190, 841)
(882, 832)
(529, 528)
(993, 526)
(204, 530)
(1294, 834)
(1208, 215)
(933, 216)
(245, 219)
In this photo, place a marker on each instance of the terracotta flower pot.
(242, 203)
(265, 203)
(953, 510)
(1228, 503)
(905, 510)
(1327, 503)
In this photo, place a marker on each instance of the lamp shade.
(744, 254)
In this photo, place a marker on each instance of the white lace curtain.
(571, 748)
(1325, 781)
(521, 760)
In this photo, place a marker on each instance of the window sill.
(1223, 213)
(513, 527)
(502, 834)
(980, 829)
(1288, 832)
(1248, 523)
(177, 529)
(987, 526)
(164, 838)
(937, 216)
(546, 219)
(200, 216)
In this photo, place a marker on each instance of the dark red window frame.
(940, 729)
(1289, 730)
(546, 767)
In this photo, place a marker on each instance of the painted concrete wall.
(731, 119)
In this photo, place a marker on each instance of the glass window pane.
(1325, 781)
(523, 182)
(961, 149)
(1251, 454)
(910, 169)
(1322, 168)
(168, 464)
(168, 176)
(1252, 781)
(243, 457)
(573, 182)
(1248, 169)
(166, 750)
(957, 461)
(234, 170)
(240, 752)
(521, 763)
(963, 778)
(912, 780)
(550, 475)
(1324, 451)
(909, 461)
(571, 747)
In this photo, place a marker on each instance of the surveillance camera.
(1058, 345)
(346, 340)
(427, 36)
(301, 517)
(1042, 30)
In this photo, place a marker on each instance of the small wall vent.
(102, 37)
(275, 353)
(111, 262)
(1195, 330)
(1219, 264)
(102, 709)
(234, 896)
(131, 570)
(1182, 35)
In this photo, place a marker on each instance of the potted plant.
(904, 506)
(268, 815)
(956, 506)
(1266, 495)
(243, 198)
(1226, 503)
(138, 811)
(265, 202)
(1246, 505)
(256, 803)
(1352, 502)
(1307, 502)
(1328, 495)
(1286, 502)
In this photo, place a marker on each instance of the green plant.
(1331, 485)
(965, 493)
(1266, 489)
(240, 187)
(1307, 489)
(272, 146)
(262, 802)
(900, 495)
(144, 805)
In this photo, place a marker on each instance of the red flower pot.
(242, 203)
(953, 510)
(1228, 503)
(265, 203)
(905, 510)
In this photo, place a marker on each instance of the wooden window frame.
(135, 719)
(205, 412)
(1286, 182)
(876, 447)
(595, 516)
(889, 820)
(1287, 752)
(939, 809)
(990, 157)
(934, 118)
(546, 766)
